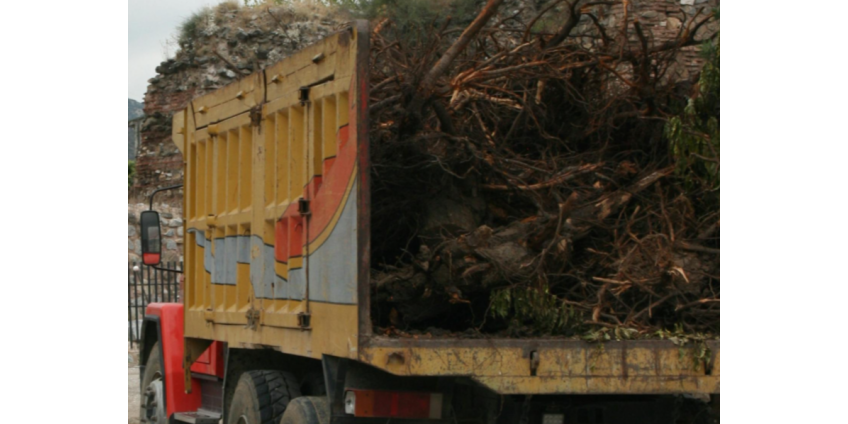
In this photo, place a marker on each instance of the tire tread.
(274, 390)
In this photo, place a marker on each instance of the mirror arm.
(157, 191)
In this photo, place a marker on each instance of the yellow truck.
(275, 324)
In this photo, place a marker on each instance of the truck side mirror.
(151, 238)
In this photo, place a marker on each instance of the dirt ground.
(133, 389)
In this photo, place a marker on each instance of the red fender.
(171, 332)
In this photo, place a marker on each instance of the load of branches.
(550, 182)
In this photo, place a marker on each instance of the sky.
(151, 24)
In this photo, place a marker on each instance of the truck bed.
(277, 201)
(552, 366)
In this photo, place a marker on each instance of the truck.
(274, 324)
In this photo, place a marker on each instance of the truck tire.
(307, 410)
(153, 389)
(261, 397)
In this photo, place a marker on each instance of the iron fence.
(148, 285)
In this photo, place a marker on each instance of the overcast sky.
(151, 24)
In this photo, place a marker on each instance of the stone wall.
(662, 21)
(222, 45)
(172, 230)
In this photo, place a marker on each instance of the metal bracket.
(534, 363)
(256, 116)
(304, 320)
(193, 348)
(304, 95)
(335, 370)
(303, 207)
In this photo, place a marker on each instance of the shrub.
(190, 28)
(131, 173)
(694, 134)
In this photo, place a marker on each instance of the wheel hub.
(153, 403)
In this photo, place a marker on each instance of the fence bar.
(147, 286)
(136, 298)
(129, 307)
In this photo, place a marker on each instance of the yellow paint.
(564, 367)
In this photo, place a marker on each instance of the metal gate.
(148, 285)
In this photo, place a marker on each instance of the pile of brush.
(543, 183)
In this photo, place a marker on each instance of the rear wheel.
(307, 410)
(153, 389)
(261, 397)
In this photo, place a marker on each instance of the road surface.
(133, 382)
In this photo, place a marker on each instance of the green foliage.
(410, 12)
(190, 28)
(606, 334)
(131, 173)
(687, 343)
(543, 311)
(694, 133)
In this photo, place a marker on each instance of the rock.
(650, 14)
(131, 231)
(167, 215)
(180, 232)
(242, 35)
(131, 218)
(171, 245)
(137, 247)
(131, 245)
(232, 42)
(687, 2)
(176, 223)
(713, 27)
(261, 54)
(674, 23)
(169, 233)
